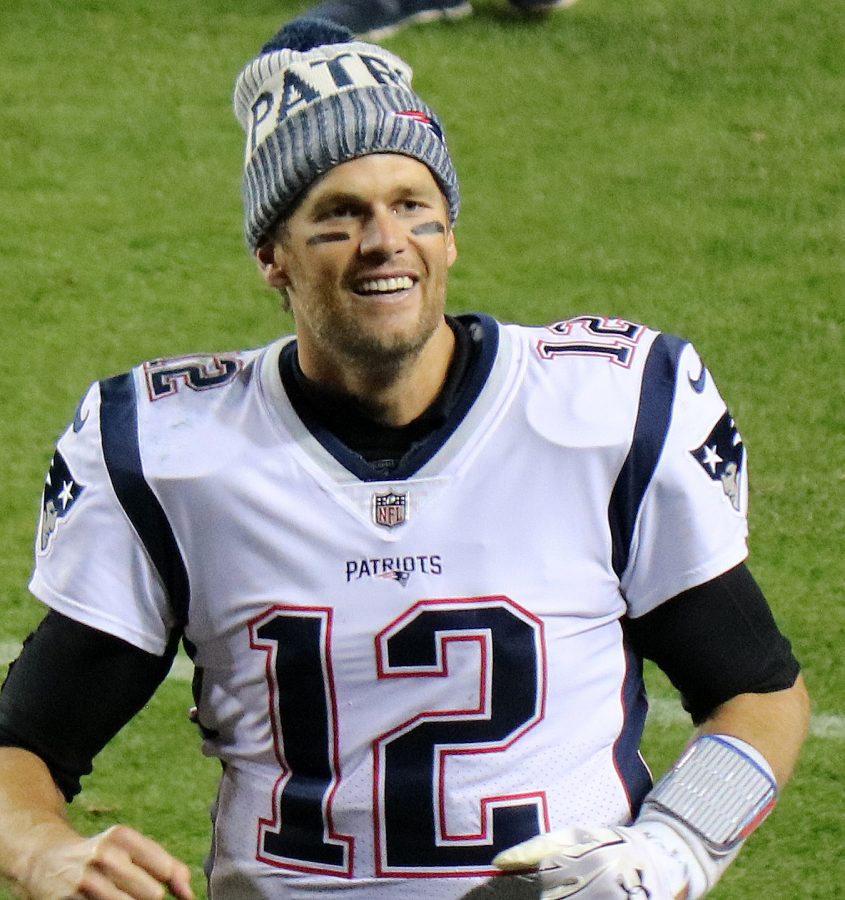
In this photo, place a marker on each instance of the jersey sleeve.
(691, 525)
(90, 563)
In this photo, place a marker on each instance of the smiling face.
(364, 260)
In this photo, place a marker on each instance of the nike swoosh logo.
(79, 420)
(697, 384)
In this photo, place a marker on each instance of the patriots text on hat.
(306, 81)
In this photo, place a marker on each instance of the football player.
(417, 561)
(377, 19)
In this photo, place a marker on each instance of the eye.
(341, 211)
(336, 209)
(408, 206)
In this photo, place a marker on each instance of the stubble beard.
(373, 355)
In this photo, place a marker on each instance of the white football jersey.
(402, 677)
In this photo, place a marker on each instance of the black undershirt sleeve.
(71, 690)
(716, 641)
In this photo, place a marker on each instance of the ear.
(272, 265)
(451, 248)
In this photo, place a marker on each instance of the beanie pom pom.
(305, 34)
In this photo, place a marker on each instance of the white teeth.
(385, 285)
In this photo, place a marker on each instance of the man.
(378, 19)
(417, 561)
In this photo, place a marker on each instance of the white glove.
(619, 863)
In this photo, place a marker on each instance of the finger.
(180, 882)
(570, 842)
(123, 880)
(141, 866)
(526, 855)
(97, 886)
(115, 864)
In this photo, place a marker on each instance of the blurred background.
(667, 161)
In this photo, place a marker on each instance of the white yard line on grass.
(663, 711)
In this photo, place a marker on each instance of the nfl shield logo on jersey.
(390, 509)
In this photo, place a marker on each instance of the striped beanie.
(315, 98)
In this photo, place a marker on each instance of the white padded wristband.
(721, 789)
(702, 810)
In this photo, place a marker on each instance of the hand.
(118, 864)
(598, 864)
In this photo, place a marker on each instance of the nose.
(381, 234)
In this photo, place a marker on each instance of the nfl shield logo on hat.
(390, 509)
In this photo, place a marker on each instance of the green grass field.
(679, 163)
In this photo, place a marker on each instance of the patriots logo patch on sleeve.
(721, 457)
(61, 492)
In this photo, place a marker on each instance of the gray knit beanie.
(313, 99)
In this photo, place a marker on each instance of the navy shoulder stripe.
(119, 428)
(657, 394)
(636, 778)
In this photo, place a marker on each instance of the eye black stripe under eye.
(429, 228)
(328, 238)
